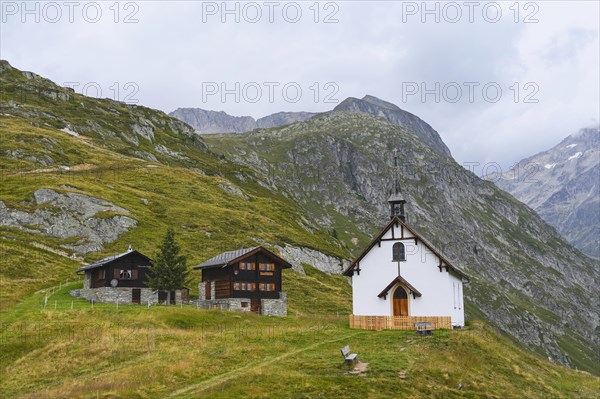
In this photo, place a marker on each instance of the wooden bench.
(349, 358)
(424, 328)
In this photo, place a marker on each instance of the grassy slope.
(207, 218)
(132, 351)
(135, 352)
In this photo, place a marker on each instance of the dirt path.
(219, 379)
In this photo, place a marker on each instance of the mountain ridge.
(563, 186)
(210, 122)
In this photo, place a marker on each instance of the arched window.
(398, 252)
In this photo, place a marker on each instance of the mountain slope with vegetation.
(392, 113)
(526, 278)
(84, 151)
(57, 143)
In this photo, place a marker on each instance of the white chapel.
(400, 273)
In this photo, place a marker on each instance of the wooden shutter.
(117, 274)
(134, 274)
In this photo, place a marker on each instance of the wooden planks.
(398, 322)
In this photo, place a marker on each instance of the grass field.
(57, 346)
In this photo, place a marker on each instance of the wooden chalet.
(244, 279)
(122, 278)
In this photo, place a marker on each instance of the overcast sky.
(447, 63)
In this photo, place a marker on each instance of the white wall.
(441, 291)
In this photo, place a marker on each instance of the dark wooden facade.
(129, 270)
(247, 277)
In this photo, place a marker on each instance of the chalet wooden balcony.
(398, 322)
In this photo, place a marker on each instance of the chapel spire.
(397, 200)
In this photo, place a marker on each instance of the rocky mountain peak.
(380, 103)
(563, 187)
(393, 114)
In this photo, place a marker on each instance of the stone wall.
(121, 295)
(269, 307)
(235, 304)
(148, 295)
(201, 290)
(87, 278)
(275, 307)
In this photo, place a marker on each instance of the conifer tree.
(169, 269)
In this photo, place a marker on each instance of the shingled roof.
(230, 257)
(103, 262)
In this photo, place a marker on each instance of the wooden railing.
(398, 322)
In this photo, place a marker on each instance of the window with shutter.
(125, 274)
(266, 267)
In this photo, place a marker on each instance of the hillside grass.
(207, 219)
(63, 347)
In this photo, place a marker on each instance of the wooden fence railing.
(398, 322)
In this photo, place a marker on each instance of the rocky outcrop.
(120, 126)
(563, 186)
(90, 222)
(204, 121)
(299, 256)
(282, 119)
(234, 190)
